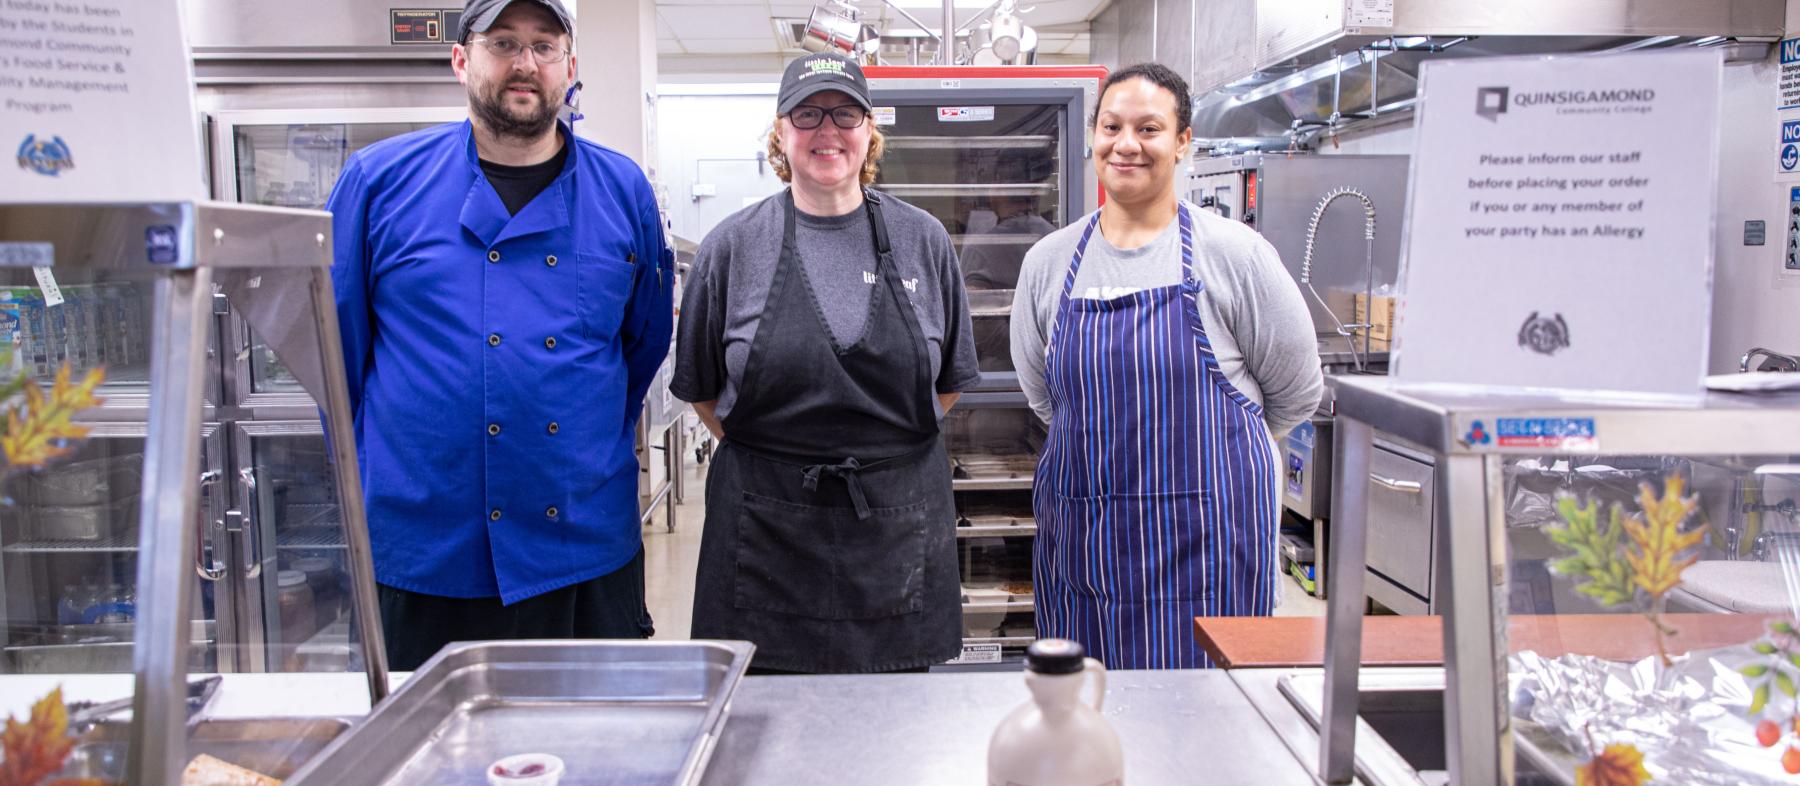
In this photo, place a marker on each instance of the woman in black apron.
(830, 524)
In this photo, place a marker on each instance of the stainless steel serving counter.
(1178, 727)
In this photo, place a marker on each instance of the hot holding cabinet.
(1001, 156)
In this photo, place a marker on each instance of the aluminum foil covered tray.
(1692, 720)
(615, 712)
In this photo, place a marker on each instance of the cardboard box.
(1381, 336)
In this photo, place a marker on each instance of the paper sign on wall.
(1560, 224)
(96, 102)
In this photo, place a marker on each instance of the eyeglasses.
(807, 117)
(509, 48)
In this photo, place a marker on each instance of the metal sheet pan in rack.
(616, 712)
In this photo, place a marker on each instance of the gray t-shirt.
(729, 284)
(1258, 324)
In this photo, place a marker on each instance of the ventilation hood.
(1311, 66)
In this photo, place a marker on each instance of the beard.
(504, 120)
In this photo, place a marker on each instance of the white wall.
(1755, 301)
(712, 139)
(617, 45)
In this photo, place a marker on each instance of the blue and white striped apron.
(1157, 497)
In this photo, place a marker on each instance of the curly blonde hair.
(871, 164)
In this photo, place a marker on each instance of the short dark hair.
(1157, 74)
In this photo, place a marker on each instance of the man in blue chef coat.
(504, 293)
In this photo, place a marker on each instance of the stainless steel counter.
(1178, 727)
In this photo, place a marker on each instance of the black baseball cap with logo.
(817, 73)
(479, 15)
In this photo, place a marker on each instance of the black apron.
(830, 525)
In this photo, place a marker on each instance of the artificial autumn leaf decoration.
(1618, 765)
(36, 748)
(1644, 565)
(1658, 546)
(1657, 540)
(42, 430)
(1599, 566)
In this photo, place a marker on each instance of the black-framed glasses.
(807, 117)
(508, 48)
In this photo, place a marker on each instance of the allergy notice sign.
(96, 102)
(1560, 224)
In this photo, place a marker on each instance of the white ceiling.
(705, 28)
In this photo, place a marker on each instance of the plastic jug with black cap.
(1057, 739)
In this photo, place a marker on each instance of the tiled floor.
(669, 559)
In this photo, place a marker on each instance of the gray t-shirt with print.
(729, 285)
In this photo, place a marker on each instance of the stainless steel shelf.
(968, 189)
(1008, 605)
(997, 531)
(947, 142)
(118, 541)
(991, 484)
(1004, 641)
(309, 538)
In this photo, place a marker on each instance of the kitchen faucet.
(1312, 230)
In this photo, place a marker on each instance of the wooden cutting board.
(1263, 642)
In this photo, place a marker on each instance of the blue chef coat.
(497, 363)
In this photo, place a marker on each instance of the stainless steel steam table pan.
(615, 712)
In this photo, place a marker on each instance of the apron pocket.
(825, 563)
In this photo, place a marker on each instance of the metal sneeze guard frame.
(207, 237)
(1473, 548)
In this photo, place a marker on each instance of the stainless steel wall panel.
(1173, 45)
(1223, 46)
(276, 24)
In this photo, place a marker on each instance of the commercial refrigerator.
(124, 543)
(1002, 156)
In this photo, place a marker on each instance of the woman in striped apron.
(1157, 495)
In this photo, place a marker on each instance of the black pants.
(607, 607)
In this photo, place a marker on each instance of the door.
(723, 186)
(299, 600)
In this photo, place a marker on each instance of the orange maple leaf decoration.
(1657, 537)
(41, 430)
(36, 748)
(1618, 765)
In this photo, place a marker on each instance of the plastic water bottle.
(1056, 739)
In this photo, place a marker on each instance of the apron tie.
(847, 469)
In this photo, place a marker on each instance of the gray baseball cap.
(479, 15)
(817, 74)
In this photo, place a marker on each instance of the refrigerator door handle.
(209, 568)
(242, 525)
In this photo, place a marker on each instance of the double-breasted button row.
(549, 512)
(493, 340)
(550, 259)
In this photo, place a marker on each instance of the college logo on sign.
(45, 157)
(1490, 102)
(1544, 335)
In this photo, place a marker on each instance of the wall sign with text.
(96, 103)
(1560, 224)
